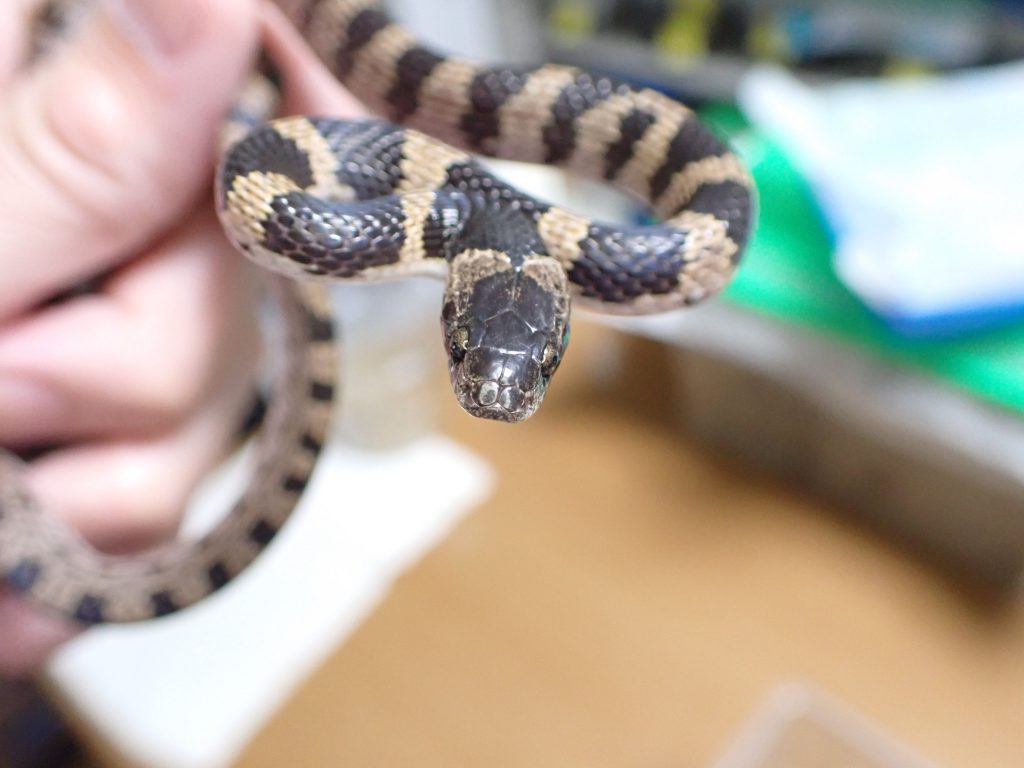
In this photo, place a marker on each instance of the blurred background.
(785, 529)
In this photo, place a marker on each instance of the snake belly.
(320, 199)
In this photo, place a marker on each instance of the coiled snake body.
(368, 200)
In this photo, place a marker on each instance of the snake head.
(506, 327)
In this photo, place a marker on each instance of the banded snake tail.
(321, 199)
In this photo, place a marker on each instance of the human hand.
(106, 151)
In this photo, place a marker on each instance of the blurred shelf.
(699, 50)
(698, 79)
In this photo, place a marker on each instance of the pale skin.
(106, 161)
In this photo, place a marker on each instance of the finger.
(28, 636)
(163, 334)
(128, 495)
(110, 140)
(123, 496)
(309, 87)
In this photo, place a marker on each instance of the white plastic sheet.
(922, 181)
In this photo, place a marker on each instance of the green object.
(685, 32)
(787, 273)
(572, 19)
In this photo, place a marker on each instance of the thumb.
(107, 143)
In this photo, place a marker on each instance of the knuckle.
(77, 143)
(85, 149)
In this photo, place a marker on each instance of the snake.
(402, 193)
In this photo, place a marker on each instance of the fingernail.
(158, 28)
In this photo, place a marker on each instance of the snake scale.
(368, 199)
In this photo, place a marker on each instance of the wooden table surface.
(627, 600)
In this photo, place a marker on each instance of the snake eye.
(459, 344)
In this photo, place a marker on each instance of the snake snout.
(498, 385)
